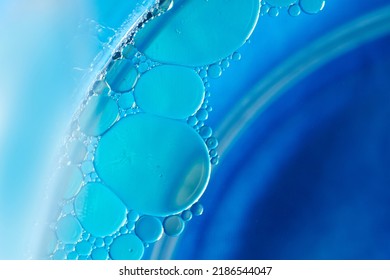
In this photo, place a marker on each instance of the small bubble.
(202, 115)
(123, 230)
(212, 143)
(99, 242)
(203, 73)
(149, 229)
(197, 209)
(273, 12)
(173, 225)
(225, 63)
(312, 6)
(143, 67)
(108, 240)
(236, 56)
(215, 71)
(132, 216)
(264, 9)
(192, 121)
(186, 215)
(294, 10)
(213, 153)
(205, 132)
(215, 160)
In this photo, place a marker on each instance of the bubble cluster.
(139, 153)
(294, 7)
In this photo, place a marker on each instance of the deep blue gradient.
(310, 178)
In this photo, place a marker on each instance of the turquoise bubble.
(98, 115)
(149, 229)
(205, 132)
(126, 100)
(99, 254)
(132, 216)
(127, 247)
(170, 91)
(157, 166)
(197, 209)
(68, 181)
(121, 75)
(99, 242)
(202, 115)
(221, 27)
(214, 71)
(281, 3)
(173, 225)
(186, 215)
(83, 248)
(294, 10)
(108, 240)
(76, 151)
(99, 210)
(312, 6)
(68, 230)
(212, 143)
(273, 11)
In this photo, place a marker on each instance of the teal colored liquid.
(139, 155)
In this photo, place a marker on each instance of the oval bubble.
(221, 27)
(170, 91)
(157, 166)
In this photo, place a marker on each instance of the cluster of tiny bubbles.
(294, 7)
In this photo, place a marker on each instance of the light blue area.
(149, 229)
(42, 86)
(98, 115)
(68, 230)
(157, 166)
(99, 210)
(170, 91)
(127, 247)
(182, 36)
(121, 75)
